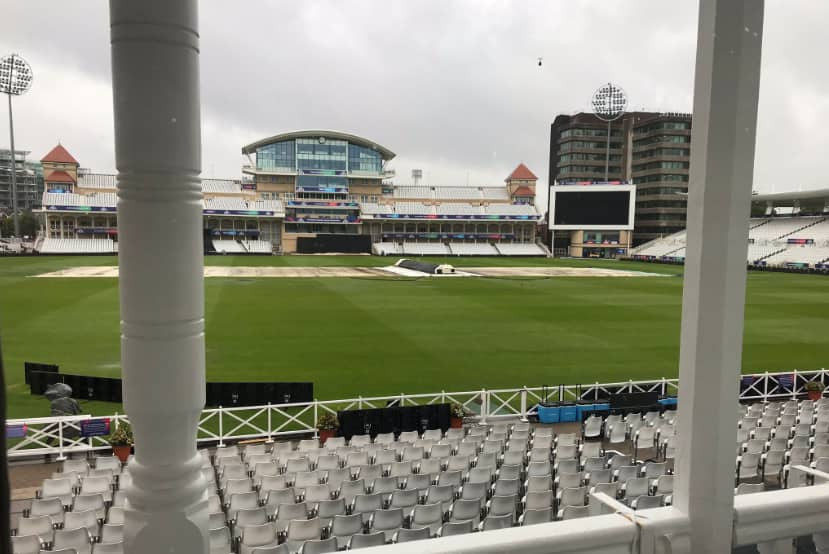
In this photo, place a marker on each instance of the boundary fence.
(63, 435)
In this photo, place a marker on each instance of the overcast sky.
(453, 87)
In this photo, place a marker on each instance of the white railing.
(60, 435)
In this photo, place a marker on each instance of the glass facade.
(363, 159)
(322, 164)
(276, 156)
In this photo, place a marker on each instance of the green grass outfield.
(386, 336)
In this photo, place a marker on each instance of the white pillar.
(723, 136)
(155, 80)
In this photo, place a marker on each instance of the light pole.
(15, 79)
(609, 103)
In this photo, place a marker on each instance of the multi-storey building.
(29, 181)
(651, 150)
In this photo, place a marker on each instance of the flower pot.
(455, 422)
(814, 394)
(123, 452)
(326, 434)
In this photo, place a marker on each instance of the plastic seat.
(443, 494)
(316, 493)
(255, 536)
(41, 526)
(502, 505)
(83, 518)
(108, 548)
(280, 496)
(301, 530)
(57, 488)
(112, 533)
(304, 479)
(26, 544)
(247, 517)
(343, 526)
(287, 512)
(327, 509)
(387, 521)
(537, 500)
(90, 502)
(574, 512)
(334, 443)
(456, 528)
(647, 502)
(404, 498)
(368, 473)
(538, 515)
(574, 496)
(242, 501)
(409, 535)
(75, 465)
(463, 510)
(748, 466)
(749, 488)
(220, 540)
(428, 515)
(366, 504)
(493, 522)
(318, 546)
(77, 539)
(230, 487)
(215, 519)
(97, 485)
(52, 507)
(366, 540)
(504, 487)
(475, 491)
(349, 490)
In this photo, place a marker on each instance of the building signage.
(458, 217)
(95, 427)
(55, 208)
(17, 431)
(324, 172)
(240, 212)
(448, 236)
(322, 219)
(341, 205)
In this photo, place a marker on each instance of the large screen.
(592, 208)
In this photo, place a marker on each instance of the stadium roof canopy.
(312, 133)
(788, 197)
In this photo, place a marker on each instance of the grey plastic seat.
(83, 518)
(503, 505)
(456, 528)
(97, 485)
(443, 494)
(366, 540)
(216, 519)
(57, 488)
(108, 548)
(52, 507)
(112, 533)
(255, 536)
(404, 498)
(387, 521)
(749, 488)
(287, 512)
(77, 539)
(319, 546)
(574, 512)
(635, 488)
(647, 502)
(327, 509)
(280, 496)
(349, 490)
(536, 500)
(428, 515)
(463, 510)
(274, 549)
(493, 522)
(220, 540)
(366, 504)
(26, 544)
(90, 502)
(41, 526)
(242, 501)
(538, 515)
(343, 526)
(301, 530)
(409, 535)
(247, 517)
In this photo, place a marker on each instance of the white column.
(723, 136)
(155, 79)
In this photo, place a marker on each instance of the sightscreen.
(588, 208)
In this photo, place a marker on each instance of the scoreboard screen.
(592, 207)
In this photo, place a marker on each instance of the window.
(279, 155)
(362, 159)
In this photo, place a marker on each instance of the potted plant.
(814, 389)
(456, 414)
(121, 441)
(327, 425)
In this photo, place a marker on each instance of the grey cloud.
(452, 87)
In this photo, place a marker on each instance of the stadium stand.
(98, 199)
(518, 249)
(510, 209)
(97, 180)
(228, 246)
(77, 246)
(425, 249)
(773, 241)
(258, 246)
(220, 186)
(389, 489)
(472, 249)
(413, 208)
(387, 248)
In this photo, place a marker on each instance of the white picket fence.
(61, 435)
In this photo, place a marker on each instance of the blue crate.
(582, 410)
(569, 414)
(549, 414)
(669, 402)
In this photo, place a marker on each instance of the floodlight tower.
(609, 103)
(15, 79)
